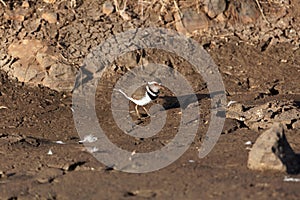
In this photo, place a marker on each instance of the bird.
(144, 96)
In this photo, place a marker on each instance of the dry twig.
(122, 12)
(177, 9)
(4, 4)
(261, 11)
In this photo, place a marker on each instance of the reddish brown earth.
(254, 71)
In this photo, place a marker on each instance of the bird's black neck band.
(152, 96)
(155, 93)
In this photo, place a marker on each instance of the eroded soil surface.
(41, 157)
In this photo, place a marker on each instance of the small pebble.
(283, 61)
(50, 152)
(25, 4)
(50, 17)
(107, 8)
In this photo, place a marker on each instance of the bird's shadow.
(171, 102)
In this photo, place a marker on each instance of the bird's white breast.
(143, 101)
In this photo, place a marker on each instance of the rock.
(214, 8)
(168, 17)
(31, 25)
(243, 11)
(143, 193)
(230, 126)
(25, 49)
(50, 17)
(49, 1)
(76, 3)
(25, 4)
(47, 175)
(29, 72)
(236, 111)
(271, 151)
(264, 116)
(221, 18)
(60, 77)
(296, 125)
(26, 68)
(277, 12)
(44, 59)
(10, 139)
(107, 8)
(190, 21)
(193, 21)
(13, 15)
(128, 60)
(38, 64)
(178, 24)
(2, 174)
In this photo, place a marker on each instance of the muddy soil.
(41, 156)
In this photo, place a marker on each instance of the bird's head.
(154, 86)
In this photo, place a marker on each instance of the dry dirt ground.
(257, 65)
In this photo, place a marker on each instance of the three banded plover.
(144, 96)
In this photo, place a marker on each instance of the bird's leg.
(137, 111)
(146, 111)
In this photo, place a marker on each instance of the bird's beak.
(160, 85)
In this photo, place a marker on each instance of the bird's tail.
(125, 95)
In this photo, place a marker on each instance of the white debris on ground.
(133, 152)
(248, 144)
(290, 179)
(50, 152)
(231, 102)
(92, 149)
(88, 139)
